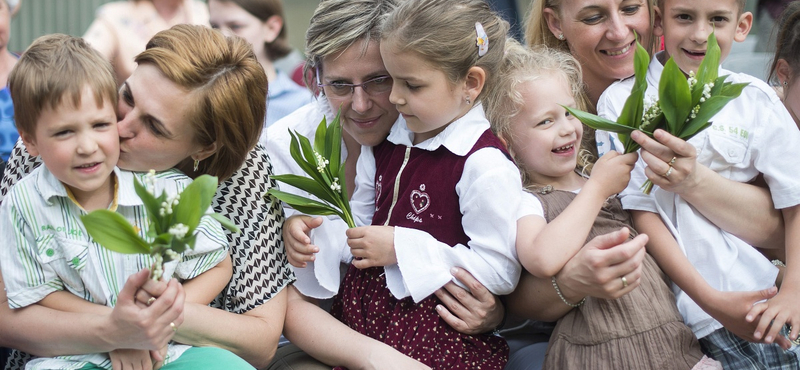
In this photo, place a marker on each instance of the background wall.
(40, 17)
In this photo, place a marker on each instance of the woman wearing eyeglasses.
(345, 66)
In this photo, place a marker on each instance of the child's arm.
(206, 286)
(67, 302)
(729, 308)
(784, 308)
(569, 230)
(744, 210)
(335, 343)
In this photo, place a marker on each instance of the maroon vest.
(427, 198)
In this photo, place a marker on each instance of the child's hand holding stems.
(372, 246)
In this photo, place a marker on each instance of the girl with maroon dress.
(441, 192)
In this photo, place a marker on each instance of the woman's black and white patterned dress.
(260, 267)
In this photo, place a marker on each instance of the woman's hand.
(599, 266)
(658, 155)
(472, 311)
(296, 231)
(372, 246)
(144, 326)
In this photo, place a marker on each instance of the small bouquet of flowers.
(173, 220)
(322, 162)
(684, 105)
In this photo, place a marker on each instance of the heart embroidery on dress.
(420, 200)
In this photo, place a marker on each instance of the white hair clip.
(483, 39)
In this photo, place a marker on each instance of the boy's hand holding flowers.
(684, 106)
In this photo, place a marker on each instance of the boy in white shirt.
(753, 135)
(65, 95)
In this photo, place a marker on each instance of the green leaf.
(310, 168)
(695, 130)
(113, 232)
(305, 205)
(711, 107)
(194, 201)
(733, 90)
(334, 143)
(152, 205)
(634, 106)
(308, 185)
(225, 222)
(308, 151)
(319, 137)
(709, 67)
(674, 96)
(600, 123)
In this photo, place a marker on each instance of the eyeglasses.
(374, 86)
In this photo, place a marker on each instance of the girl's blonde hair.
(522, 65)
(537, 32)
(444, 33)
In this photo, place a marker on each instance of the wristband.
(573, 305)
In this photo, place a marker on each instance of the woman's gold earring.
(196, 164)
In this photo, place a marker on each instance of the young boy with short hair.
(65, 102)
(752, 136)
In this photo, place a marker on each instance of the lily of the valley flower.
(684, 105)
(322, 163)
(172, 223)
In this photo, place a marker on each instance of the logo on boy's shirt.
(731, 131)
(62, 229)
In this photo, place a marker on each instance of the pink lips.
(619, 52)
(694, 54)
(89, 169)
(365, 122)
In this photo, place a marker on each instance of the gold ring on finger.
(672, 161)
(173, 326)
(669, 172)
(624, 282)
(151, 300)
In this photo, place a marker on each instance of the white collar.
(49, 186)
(458, 137)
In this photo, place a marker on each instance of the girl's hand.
(296, 231)
(658, 155)
(130, 359)
(372, 246)
(736, 311)
(472, 311)
(612, 172)
(775, 313)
